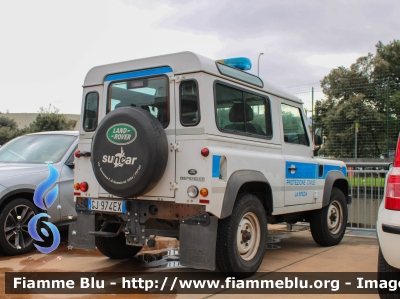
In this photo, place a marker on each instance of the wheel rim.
(248, 236)
(16, 227)
(335, 217)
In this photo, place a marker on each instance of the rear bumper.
(391, 229)
(388, 232)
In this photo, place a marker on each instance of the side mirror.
(317, 140)
(71, 165)
(318, 137)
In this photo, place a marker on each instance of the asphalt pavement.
(287, 251)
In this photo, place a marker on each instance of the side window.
(91, 111)
(242, 112)
(189, 103)
(294, 130)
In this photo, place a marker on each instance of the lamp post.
(259, 64)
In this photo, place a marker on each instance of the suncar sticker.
(119, 159)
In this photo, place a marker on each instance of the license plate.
(117, 206)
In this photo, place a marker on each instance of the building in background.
(24, 119)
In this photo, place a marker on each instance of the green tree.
(47, 120)
(50, 120)
(340, 129)
(367, 93)
(8, 129)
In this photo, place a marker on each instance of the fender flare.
(13, 192)
(335, 178)
(235, 182)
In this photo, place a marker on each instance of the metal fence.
(366, 186)
(359, 119)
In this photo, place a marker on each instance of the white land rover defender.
(187, 147)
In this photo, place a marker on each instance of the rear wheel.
(242, 238)
(387, 273)
(328, 224)
(115, 247)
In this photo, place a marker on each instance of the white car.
(23, 166)
(388, 225)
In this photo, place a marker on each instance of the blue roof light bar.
(241, 63)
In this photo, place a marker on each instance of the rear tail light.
(83, 186)
(203, 192)
(392, 200)
(205, 152)
(396, 162)
(78, 154)
(193, 191)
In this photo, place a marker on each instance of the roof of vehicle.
(181, 63)
(73, 133)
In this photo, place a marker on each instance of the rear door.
(300, 168)
(150, 90)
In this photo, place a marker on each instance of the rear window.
(150, 94)
(91, 111)
(189, 103)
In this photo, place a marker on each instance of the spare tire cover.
(129, 152)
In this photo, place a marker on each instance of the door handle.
(292, 168)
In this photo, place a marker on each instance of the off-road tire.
(115, 248)
(9, 213)
(247, 210)
(387, 273)
(327, 230)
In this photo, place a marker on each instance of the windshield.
(36, 148)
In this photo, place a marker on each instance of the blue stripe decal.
(141, 73)
(215, 166)
(310, 170)
(304, 170)
(328, 168)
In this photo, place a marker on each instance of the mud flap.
(197, 241)
(78, 234)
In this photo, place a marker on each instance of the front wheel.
(328, 224)
(242, 238)
(14, 218)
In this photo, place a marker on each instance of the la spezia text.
(229, 282)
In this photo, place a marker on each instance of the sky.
(48, 46)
